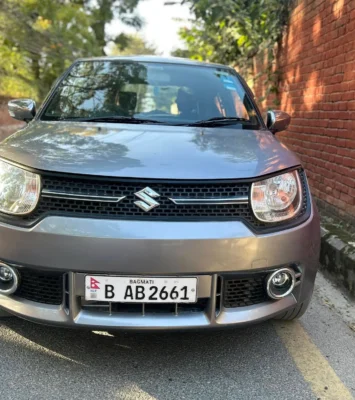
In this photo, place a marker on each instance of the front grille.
(244, 290)
(127, 209)
(41, 286)
(167, 210)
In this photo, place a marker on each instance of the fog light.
(9, 279)
(280, 283)
(5, 274)
(281, 279)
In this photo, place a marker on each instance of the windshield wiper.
(116, 119)
(218, 121)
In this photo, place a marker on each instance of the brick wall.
(316, 61)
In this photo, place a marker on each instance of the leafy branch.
(235, 32)
(39, 39)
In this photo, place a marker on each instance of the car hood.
(147, 151)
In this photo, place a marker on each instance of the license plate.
(133, 289)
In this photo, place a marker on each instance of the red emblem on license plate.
(94, 284)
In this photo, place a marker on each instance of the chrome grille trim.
(206, 201)
(175, 200)
(298, 276)
(83, 197)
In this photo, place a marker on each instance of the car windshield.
(172, 94)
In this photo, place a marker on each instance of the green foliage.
(126, 45)
(14, 78)
(234, 31)
(39, 39)
(104, 11)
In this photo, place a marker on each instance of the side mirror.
(277, 121)
(22, 109)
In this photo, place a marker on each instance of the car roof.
(155, 59)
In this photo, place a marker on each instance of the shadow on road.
(204, 365)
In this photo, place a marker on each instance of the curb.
(337, 258)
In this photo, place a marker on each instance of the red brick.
(347, 199)
(317, 87)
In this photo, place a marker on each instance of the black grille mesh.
(126, 209)
(244, 291)
(41, 286)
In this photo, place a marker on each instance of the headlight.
(278, 198)
(19, 189)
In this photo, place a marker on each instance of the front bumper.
(209, 250)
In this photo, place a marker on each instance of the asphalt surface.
(259, 362)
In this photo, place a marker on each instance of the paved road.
(310, 359)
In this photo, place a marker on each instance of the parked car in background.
(148, 193)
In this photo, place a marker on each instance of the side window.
(239, 106)
(229, 104)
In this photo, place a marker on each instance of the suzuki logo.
(147, 195)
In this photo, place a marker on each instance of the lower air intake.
(244, 291)
(41, 286)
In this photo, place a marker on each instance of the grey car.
(148, 193)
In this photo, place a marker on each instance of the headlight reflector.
(19, 189)
(278, 198)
